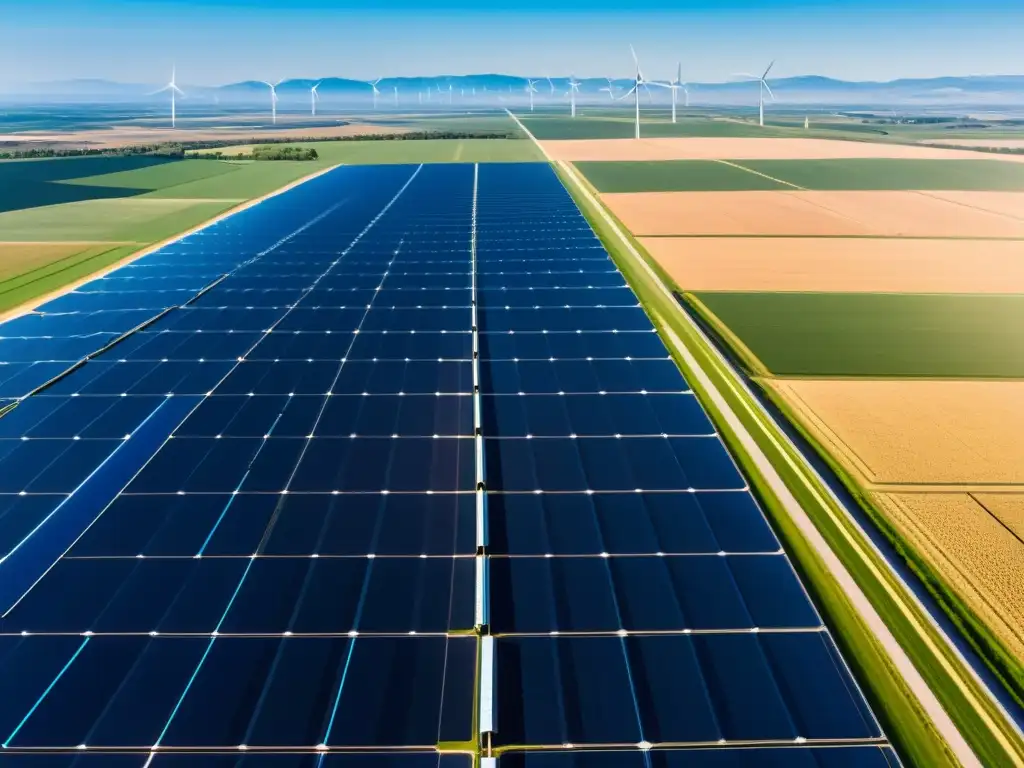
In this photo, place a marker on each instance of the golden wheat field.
(972, 550)
(1008, 508)
(916, 431)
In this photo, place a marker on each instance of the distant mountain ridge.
(802, 89)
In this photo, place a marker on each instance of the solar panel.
(389, 470)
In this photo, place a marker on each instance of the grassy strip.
(899, 711)
(17, 291)
(993, 652)
(897, 707)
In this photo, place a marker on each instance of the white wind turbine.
(273, 99)
(638, 81)
(610, 89)
(449, 93)
(762, 86)
(174, 89)
(395, 88)
(531, 88)
(376, 91)
(574, 86)
(314, 97)
(675, 86)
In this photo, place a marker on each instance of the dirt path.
(917, 684)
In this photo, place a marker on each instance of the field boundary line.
(994, 516)
(28, 306)
(758, 173)
(912, 677)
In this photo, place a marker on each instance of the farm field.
(791, 213)
(841, 265)
(921, 433)
(872, 334)
(874, 295)
(550, 127)
(942, 460)
(757, 147)
(972, 550)
(861, 173)
(415, 151)
(63, 219)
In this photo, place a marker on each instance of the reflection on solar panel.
(388, 471)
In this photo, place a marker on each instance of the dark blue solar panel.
(779, 757)
(405, 759)
(677, 688)
(332, 480)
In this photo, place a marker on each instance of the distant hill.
(978, 90)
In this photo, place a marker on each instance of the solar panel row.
(414, 474)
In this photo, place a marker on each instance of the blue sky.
(217, 41)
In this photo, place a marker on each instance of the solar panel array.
(390, 470)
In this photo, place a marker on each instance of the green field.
(417, 151)
(672, 176)
(843, 334)
(867, 173)
(847, 174)
(106, 208)
(546, 128)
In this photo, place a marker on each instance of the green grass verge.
(672, 176)
(875, 334)
(907, 726)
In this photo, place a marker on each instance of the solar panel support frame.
(482, 608)
(488, 714)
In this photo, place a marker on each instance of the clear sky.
(219, 41)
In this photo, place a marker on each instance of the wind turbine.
(675, 86)
(395, 87)
(273, 99)
(762, 87)
(174, 89)
(635, 91)
(610, 89)
(531, 88)
(376, 91)
(449, 93)
(314, 97)
(551, 83)
(574, 86)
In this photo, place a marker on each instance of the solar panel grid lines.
(556, 660)
(321, 561)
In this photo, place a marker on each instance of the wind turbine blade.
(173, 87)
(628, 93)
(768, 70)
(159, 90)
(768, 88)
(745, 74)
(679, 72)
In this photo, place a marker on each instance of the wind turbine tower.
(762, 86)
(638, 81)
(574, 86)
(314, 97)
(675, 86)
(531, 88)
(273, 99)
(174, 89)
(396, 94)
